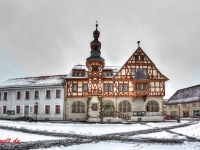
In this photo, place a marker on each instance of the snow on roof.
(115, 69)
(190, 94)
(33, 81)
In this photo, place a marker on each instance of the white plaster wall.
(12, 102)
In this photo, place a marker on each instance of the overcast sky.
(48, 37)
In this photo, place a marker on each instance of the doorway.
(26, 111)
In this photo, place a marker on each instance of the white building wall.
(12, 102)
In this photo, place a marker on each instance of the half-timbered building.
(99, 93)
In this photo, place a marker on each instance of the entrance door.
(26, 111)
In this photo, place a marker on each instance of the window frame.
(85, 85)
(35, 94)
(5, 112)
(35, 110)
(20, 97)
(152, 108)
(57, 93)
(46, 95)
(45, 110)
(124, 108)
(78, 108)
(18, 110)
(56, 109)
(26, 95)
(5, 99)
(133, 72)
(73, 85)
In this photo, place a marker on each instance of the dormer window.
(107, 73)
(78, 73)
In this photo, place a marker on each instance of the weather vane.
(96, 24)
(138, 43)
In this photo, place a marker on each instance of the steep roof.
(190, 94)
(33, 81)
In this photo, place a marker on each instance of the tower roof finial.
(138, 43)
(96, 24)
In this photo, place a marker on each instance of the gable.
(139, 59)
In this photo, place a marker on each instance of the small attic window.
(142, 58)
(136, 58)
(78, 73)
(95, 69)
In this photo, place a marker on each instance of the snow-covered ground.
(99, 129)
(130, 146)
(23, 137)
(192, 130)
(158, 135)
(89, 129)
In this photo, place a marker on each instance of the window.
(74, 87)
(35, 109)
(36, 95)
(95, 69)
(184, 105)
(47, 109)
(48, 94)
(58, 93)
(109, 73)
(123, 87)
(18, 109)
(5, 95)
(152, 106)
(57, 109)
(176, 106)
(105, 74)
(108, 87)
(142, 57)
(26, 94)
(94, 107)
(170, 106)
(136, 58)
(120, 87)
(141, 87)
(0, 95)
(78, 107)
(4, 109)
(132, 72)
(124, 106)
(194, 104)
(18, 94)
(85, 87)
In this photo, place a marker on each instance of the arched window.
(107, 106)
(124, 106)
(152, 106)
(78, 107)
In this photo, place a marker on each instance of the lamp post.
(36, 104)
(179, 105)
(188, 111)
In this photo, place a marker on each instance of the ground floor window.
(152, 106)
(196, 113)
(4, 109)
(125, 106)
(18, 109)
(57, 108)
(78, 107)
(47, 109)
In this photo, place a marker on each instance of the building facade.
(99, 93)
(26, 97)
(186, 101)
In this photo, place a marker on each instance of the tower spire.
(96, 24)
(138, 43)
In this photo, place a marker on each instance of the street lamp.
(188, 111)
(36, 104)
(179, 105)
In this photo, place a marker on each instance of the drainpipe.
(64, 101)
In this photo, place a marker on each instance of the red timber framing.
(156, 86)
(95, 73)
(125, 76)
